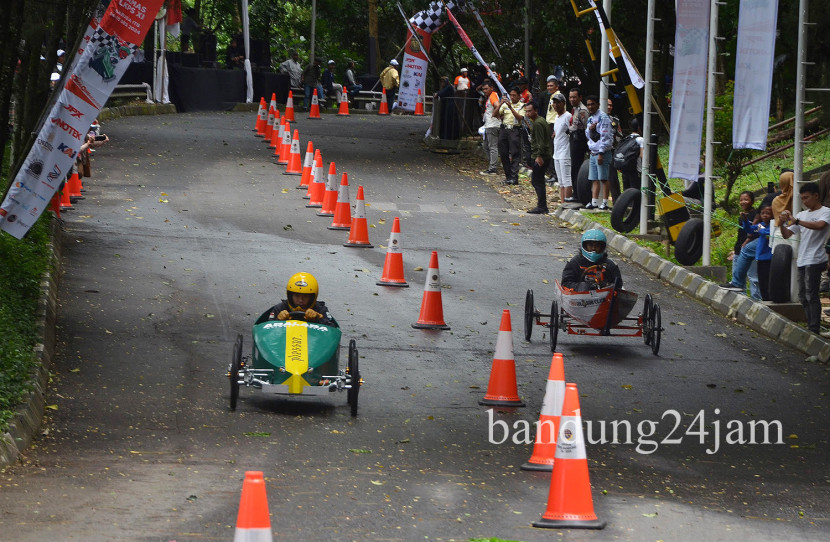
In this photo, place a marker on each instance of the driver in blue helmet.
(591, 269)
(301, 296)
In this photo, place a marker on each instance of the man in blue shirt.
(600, 142)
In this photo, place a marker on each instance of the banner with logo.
(753, 73)
(106, 55)
(691, 48)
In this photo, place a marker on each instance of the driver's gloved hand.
(283, 315)
(311, 314)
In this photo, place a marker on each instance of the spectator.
(576, 131)
(351, 84)
(293, 69)
(811, 225)
(328, 82)
(600, 138)
(562, 149)
(189, 26)
(449, 113)
(511, 112)
(491, 127)
(763, 254)
(616, 131)
(234, 55)
(631, 177)
(311, 81)
(462, 84)
(390, 80)
(743, 253)
(784, 201)
(524, 93)
(546, 106)
(541, 153)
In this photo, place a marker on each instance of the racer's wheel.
(529, 316)
(647, 330)
(354, 377)
(296, 315)
(656, 329)
(233, 372)
(554, 325)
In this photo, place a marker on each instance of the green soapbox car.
(294, 358)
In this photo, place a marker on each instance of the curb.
(135, 110)
(756, 316)
(27, 419)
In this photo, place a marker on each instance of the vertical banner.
(753, 73)
(689, 88)
(106, 55)
(413, 70)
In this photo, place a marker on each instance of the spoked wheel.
(354, 377)
(233, 373)
(529, 316)
(656, 329)
(554, 325)
(647, 330)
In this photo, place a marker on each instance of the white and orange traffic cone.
(419, 105)
(73, 185)
(314, 112)
(253, 522)
(294, 156)
(262, 118)
(570, 505)
(273, 102)
(317, 187)
(384, 105)
(359, 230)
(65, 201)
(502, 389)
(393, 265)
(344, 103)
(269, 125)
(279, 135)
(259, 116)
(318, 159)
(330, 193)
(544, 448)
(275, 131)
(55, 205)
(285, 148)
(432, 308)
(289, 107)
(343, 210)
(308, 166)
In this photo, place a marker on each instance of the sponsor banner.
(90, 29)
(413, 71)
(753, 73)
(130, 19)
(691, 47)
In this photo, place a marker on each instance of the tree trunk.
(9, 41)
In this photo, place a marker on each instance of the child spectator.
(763, 253)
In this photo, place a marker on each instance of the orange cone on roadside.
(359, 230)
(253, 522)
(570, 505)
(393, 265)
(262, 118)
(279, 135)
(285, 148)
(273, 102)
(342, 210)
(55, 205)
(66, 203)
(384, 105)
(294, 156)
(344, 103)
(419, 105)
(330, 193)
(259, 115)
(544, 448)
(502, 389)
(308, 164)
(314, 112)
(317, 187)
(275, 131)
(314, 173)
(432, 309)
(73, 185)
(269, 125)
(289, 107)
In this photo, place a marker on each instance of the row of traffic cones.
(265, 113)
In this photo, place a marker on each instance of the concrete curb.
(27, 419)
(755, 315)
(136, 109)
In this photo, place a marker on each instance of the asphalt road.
(188, 231)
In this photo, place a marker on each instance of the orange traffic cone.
(384, 105)
(308, 165)
(294, 156)
(393, 266)
(342, 210)
(432, 310)
(55, 205)
(359, 230)
(275, 131)
(502, 390)
(273, 102)
(314, 113)
(419, 105)
(314, 173)
(279, 135)
(285, 149)
(317, 187)
(344, 103)
(570, 505)
(269, 125)
(74, 185)
(66, 203)
(253, 523)
(289, 106)
(330, 194)
(544, 449)
(262, 118)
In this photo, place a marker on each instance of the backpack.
(626, 154)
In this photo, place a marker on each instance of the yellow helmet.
(301, 283)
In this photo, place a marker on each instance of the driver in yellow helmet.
(301, 294)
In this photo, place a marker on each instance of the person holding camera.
(576, 132)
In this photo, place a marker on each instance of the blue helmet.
(598, 237)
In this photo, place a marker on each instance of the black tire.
(582, 186)
(625, 215)
(554, 325)
(689, 245)
(354, 377)
(233, 373)
(529, 316)
(657, 329)
(648, 305)
(780, 267)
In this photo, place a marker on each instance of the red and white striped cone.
(278, 143)
(314, 112)
(275, 130)
(285, 149)
(294, 156)
(359, 231)
(317, 187)
(343, 210)
(432, 309)
(330, 193)
(253, 522)
(419, 105)
(273, 102)
(269, 125)
(384, 105)
(544, 448)
(344, 104)
(393, 265)
(315, 174)
(308, 166)
(289, 107)
(258, 127)
(502, 389)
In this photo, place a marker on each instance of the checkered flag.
(429, 19)
(100, 38)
